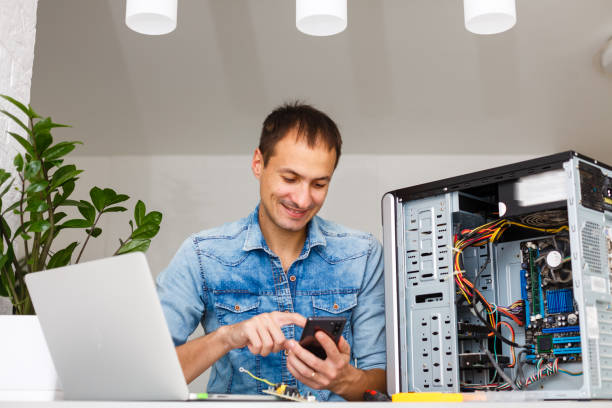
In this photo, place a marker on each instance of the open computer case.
(500, 280)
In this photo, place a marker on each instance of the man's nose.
(302, 196)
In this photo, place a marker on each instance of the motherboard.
(552, 328)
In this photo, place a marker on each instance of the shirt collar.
(255, 239)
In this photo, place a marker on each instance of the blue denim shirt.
(228, 274)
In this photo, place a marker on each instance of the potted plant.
(35, 199)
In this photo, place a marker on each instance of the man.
(251, 283)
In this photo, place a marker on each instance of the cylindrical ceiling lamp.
(489, 16)
(151, 17)
(320, 17)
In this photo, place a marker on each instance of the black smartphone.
(331, 325)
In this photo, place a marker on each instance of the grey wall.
(173, 120)
(199, 192)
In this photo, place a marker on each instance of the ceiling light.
(489, 16)
(152, 17)
(320, 17)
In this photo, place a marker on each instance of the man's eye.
(289, 180)
(318, 185)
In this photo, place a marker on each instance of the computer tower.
(501, 280)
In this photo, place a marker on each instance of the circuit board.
(553, 329)
(287, 392)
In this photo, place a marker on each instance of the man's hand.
(334, 373)
(262, 333)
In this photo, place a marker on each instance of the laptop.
(107, 334)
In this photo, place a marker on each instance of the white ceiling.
(404, 78)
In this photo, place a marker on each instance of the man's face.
(293, 185)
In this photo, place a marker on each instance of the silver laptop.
(107, 334)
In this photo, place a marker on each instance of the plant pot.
(26, 369)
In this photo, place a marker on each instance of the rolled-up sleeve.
(368, 319)
(180, 288)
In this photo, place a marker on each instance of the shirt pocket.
(336, 304)
(235, 307)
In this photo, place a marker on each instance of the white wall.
(17, 35)
(198, 192)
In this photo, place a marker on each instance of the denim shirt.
(228, 274)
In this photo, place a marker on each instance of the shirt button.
(292, 278)
(335, 306)
(237, 307)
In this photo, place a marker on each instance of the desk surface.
(219, 404)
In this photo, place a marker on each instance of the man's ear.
(257, 163)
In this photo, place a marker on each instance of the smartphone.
(331, 325)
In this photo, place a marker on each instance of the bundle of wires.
(480, 236)
(543, 370)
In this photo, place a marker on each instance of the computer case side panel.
(390, 245)
(426, 339)
(589, 224)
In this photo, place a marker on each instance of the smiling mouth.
(293, 212)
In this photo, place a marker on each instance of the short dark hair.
(311, 124)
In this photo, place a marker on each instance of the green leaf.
(68, 188)
(139, 212)
(72, 203)
(109, 195)
(4, 175)
(45, 125)
(58, 216)
(145, 231)
(98, 198)
(59, 150)
(154, 217)
(4, 287)
(58, 200)
(96, 232)
(87, 211)
(55, 163)
(133, 246)
(114, 209)
(77, 223)
(63, 174)
(6, 230)
(61, 199)
(18, 162)
(16, 120)
(26, 145)
(12, 207)
(39, 226)
(33, 114)
(32, 169)
(37, 187)
(42, 140)
(102, 198)
(36, 205)
(18, 104)
(3, 260)
(62, 257)
(7, 188)
(118, 198)
(22, 228)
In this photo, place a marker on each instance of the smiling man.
(252, 283)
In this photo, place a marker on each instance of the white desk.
(217, 404)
